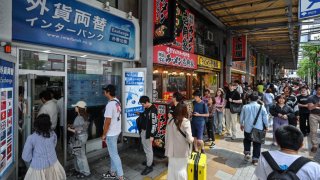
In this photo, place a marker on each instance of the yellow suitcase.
(197, 166)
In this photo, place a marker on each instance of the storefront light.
(174, 73)
(194, 74)
(181, 74)
(188, 74)
(165, 72)
(155, 71)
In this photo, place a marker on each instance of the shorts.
(197, 128)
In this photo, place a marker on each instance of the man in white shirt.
(290, 140)
(111, 131)
(49, 107)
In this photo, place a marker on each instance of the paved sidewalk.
(225, 161)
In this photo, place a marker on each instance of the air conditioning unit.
(209, 36)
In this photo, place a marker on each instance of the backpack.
(290, 173)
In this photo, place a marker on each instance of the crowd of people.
(255, 109)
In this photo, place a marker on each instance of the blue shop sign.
(73, 25)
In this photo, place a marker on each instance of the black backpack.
(290, 173)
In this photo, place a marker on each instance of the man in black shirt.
(232, 96)
(302, 102)
(314, 118)
(148, 128)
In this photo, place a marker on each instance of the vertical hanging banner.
(164, 17)
(6, 113)
(185, 30)
(133, 85)
(239, 48)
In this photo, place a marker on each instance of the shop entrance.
(30, 87)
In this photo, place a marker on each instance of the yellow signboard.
(208, 62)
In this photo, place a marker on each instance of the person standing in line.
(177, 98)
(39, 151)
(49, 107)
(238, 87)
(247, 118)
(314, 118)
(178, 143)
(80, 130)
(232, 96)
(61, 115)
(219, 113)
(210, 122)
(148, 128)
(260, 87)
(206, 96)
(281, 112)
(302, 103)
(200, 112)
(111, 132)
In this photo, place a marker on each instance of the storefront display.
(7, 116)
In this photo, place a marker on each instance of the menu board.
(6, 120)
(133, 89)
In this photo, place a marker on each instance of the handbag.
(257, 135)
(235, 107)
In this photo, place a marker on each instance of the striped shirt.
(40, 151)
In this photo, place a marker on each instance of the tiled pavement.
(225, 161)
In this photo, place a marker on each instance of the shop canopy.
(271, 26)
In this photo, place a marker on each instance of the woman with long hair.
(219, 111)
(80, 130)
(210, 122)
(281, 113)
(178, 143)
(39, 151)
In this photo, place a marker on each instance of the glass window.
(86, 78)
(34, 60)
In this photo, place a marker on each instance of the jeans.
(116, 165)
(218, 117)
(210, 128)
(278, 122)
(304, 123)
(247, 146)
(80, 161)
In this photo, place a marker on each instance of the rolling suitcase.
(197, 166)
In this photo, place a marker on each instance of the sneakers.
(144, 163)
(212, 145)
(255, 162)
(147, 170)
(247, 157)
(314, 149)
(109, 175)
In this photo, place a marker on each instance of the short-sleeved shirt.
(113, 111)
(309, 171)
(314, 99)
(303, 100)
(200, 108)
(80, 125)
(235, 95)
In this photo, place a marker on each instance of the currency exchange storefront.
(73, 49)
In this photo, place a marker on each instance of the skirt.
(177, 168)
(54, 172)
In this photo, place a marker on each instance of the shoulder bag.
(257, 135)
(235, 107)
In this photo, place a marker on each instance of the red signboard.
(164, 17)
(169, 56)
(185, 29)
(161, 126)
(239, 48)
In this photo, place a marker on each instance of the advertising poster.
(169, 56)
(239, 48)
(133, 89)
(6, 113)
(185, 30)
(73, 25)
(163, 18)
(162, 123)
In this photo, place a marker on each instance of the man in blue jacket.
(247, 117)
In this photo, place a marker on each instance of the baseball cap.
(109, 88)
(80, 104)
